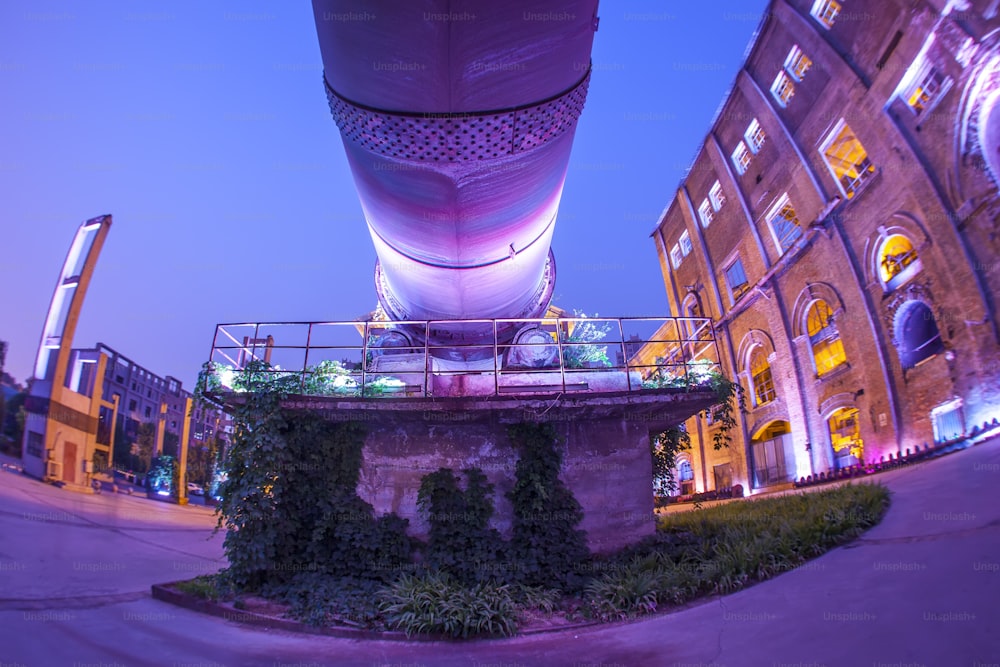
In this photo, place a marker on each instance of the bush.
(437, 603)
(320, 599)
(207, 587)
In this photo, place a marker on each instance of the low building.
(839, 225)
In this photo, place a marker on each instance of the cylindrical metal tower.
(458, 118)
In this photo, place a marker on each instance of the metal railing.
(436, 358)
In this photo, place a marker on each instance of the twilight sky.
(204, 130)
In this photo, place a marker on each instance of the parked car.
(195, 489)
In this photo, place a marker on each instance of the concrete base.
(605, 440)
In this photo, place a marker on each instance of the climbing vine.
(548, 548)
(460, 541)
(289, 503)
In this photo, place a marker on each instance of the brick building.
(839, 224)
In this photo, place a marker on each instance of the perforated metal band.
(458, 137)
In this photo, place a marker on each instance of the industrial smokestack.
(458, 118)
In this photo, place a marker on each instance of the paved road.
(921, 589)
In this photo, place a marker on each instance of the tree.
(123, 446)
(13, 422)
(201, 461)
(142, 448)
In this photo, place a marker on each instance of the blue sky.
(204, 130)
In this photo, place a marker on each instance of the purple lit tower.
(458, 117)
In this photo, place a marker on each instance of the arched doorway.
(845, 438)
(772, 454)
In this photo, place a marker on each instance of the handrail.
(673, 352)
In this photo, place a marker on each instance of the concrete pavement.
(920, 589)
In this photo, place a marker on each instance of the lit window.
(926, 90)
(917, 334)
(845, 437)
(898, 261)
(797, 63)
(675, 256)
(716, 197)
(783, 89)
(847, 159)
(760, 376)
(736, 277)
(784, 223)
(685, 471)
(741, 158)
(755, 136)
(827, 348)
(705, 213)
(685, 243)
(825, 11)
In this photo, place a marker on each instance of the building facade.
(142, 396)
(839, 224)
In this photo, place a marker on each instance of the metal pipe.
(457, 117)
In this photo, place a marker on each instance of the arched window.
(897, 261)
(827, 348)
(685, 477)
(845, 437)
(760, 377)
(917, 335)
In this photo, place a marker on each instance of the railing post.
(364, 359)
(305, 359)
(621, 340)
(428, 364)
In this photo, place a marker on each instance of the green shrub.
(536, 597)
(206, 587)
(320, 599)
(624, 593)
(436, 603)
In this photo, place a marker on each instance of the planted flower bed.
(694, 554)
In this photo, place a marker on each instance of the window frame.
(706, 213)
(739, 153)
(794, 63)
(755, 136)
(909, 269)
(783, 89)
(773, 214)
(859, 182)
(825, 12)
(827, 335)
(927, 71)
(716, 196)
(736, 291)
(762, 382)
(685, 243)
(675, 256)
